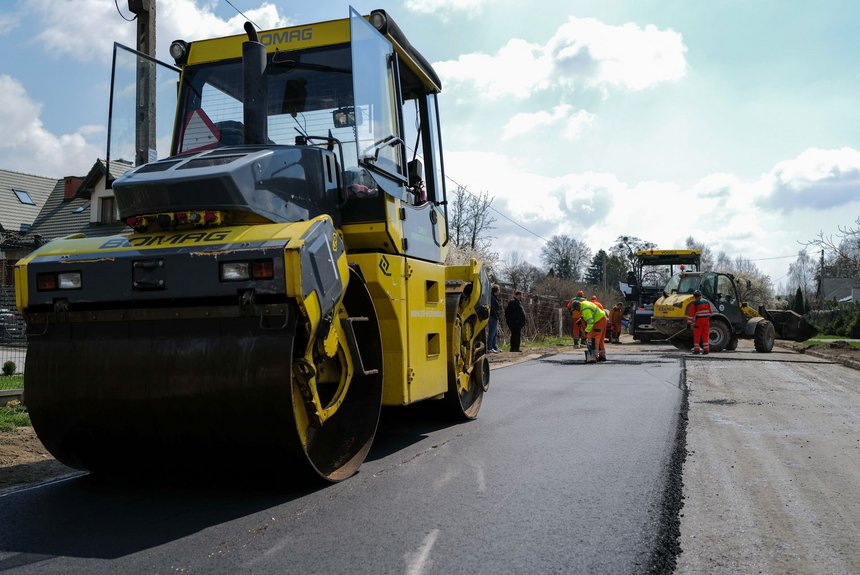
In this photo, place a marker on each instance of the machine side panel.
(385, 277)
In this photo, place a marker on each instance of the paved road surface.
(564, 472)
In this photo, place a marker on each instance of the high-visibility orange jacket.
(615, 315)
(699, 309)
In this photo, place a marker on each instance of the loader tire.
(720, 335)
(764, 337)
(733, 343)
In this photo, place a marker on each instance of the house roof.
(837, 288)
(97, 173)
(14, 211)
(61, 217)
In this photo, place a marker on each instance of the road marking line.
(420, 560)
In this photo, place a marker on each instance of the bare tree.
(723, 263)
(566, 256)
(519, 274)
(802, 274)
(707, 254)
(625, 247)
(841, 251)
(469, 219)
(754, 286)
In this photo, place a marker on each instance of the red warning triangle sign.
(198, 133)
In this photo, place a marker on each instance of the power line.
(513, 221)
(774, 258)
(242, 15)
(116, 3)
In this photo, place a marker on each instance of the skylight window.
(24, 197)
(81, 208)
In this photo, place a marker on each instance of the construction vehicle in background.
(645, 283)
(731, 318)
(285, 276)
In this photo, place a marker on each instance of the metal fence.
(13, 334)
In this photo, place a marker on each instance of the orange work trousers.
(702, 332)
(578, 329)
(598, 334)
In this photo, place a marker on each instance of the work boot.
(601, 357)
(695, 352)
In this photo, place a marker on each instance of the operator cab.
(336, 118)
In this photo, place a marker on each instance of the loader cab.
(718, 288)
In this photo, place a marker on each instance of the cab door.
(726, 300)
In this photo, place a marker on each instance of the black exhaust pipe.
(255, 105)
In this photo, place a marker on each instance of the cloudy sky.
(735, 122)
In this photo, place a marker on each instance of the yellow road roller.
(284, 275)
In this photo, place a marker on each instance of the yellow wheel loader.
(730, 319)
(285, 275)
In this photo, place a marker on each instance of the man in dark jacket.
(495, 315)
(515, 316)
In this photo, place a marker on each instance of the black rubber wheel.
(720, 335)
(733, 343)
(468, 374)
(764, 336)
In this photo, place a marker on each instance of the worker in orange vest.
(699, 317)
(595, 327)
(595, 302)
(615, 316)
(578, 324)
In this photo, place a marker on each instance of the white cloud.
(444, 6)
(491, 75)
(582, 52)
(816, 179)
(562, 119)
(176, 19)
(625, 56)
(8, 22)
(30, 148)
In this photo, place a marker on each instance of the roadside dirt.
(24, 460)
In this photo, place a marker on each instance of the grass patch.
(550, 341)
(11, 381)
(13, 416)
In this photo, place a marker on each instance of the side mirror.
(343, 117)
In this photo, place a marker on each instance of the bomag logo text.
(149, 241)
(286, 36)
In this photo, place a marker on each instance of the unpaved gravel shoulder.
(772, 477)
(25, 461)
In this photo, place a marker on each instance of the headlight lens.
(54, 281)
(69, 280)
(235, 271)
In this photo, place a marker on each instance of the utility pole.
(604, 272)
(144, 141)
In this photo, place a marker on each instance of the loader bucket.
(791, 325)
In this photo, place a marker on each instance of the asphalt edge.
(667, 545)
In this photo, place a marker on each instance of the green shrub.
(9, 368)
